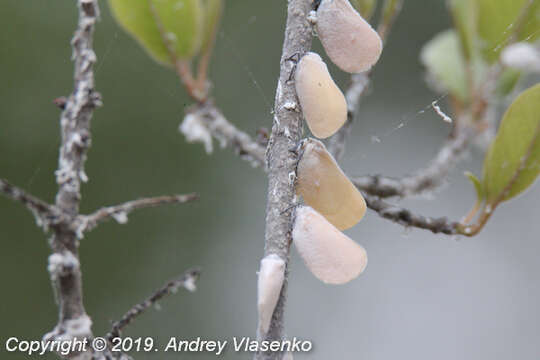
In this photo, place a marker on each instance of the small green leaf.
(444, 61)
(513, 160)
(212, 14)
(365, 7)
(464, 14)
(181, 22)
(480, 194)
(498, 20)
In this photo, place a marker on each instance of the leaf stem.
(472, 213)
(182, 66)
(489, 207)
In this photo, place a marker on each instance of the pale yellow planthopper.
(330, 255)
(322, 102)
(269, 283)
(325, 187)
(348, 39)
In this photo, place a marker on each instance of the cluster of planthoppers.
(331, 202)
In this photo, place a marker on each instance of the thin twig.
(408, 219)
(208, 47)
(186, 280)
(286, 133)
(46, 214)
(204, 121)
(359, 84)
(424, 180)
(120, 212)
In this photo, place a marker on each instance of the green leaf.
(365, 7)
(212, 14)
(512, 162)
(478, 186)
(181, 22)
(499, 19)
(464, 15)
(445, 63)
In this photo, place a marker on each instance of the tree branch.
(186, 280)
(120, 212)
(210, 122)
(64, 264)
(425, 179)
(63, 217)
(45, 214)
(204, 121)
(375, 185)
(286, 133)
(408, 219)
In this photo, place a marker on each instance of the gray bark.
(281, 159)
(64, 263)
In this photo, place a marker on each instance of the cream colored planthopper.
(271, 276)
(325, 187)
(323, 103)
(330, 255)
(348, 39)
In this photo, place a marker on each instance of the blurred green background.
(423, 296)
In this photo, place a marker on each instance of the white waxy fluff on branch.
(271, 276)
(522, 56)
(323, 104)
(330, 255)
(325, 187)
(195, 131)
(348, 39)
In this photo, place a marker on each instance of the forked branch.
(205, 121)
(46, 214)
(424, 180)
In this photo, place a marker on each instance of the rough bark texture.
(281, 158)
(407, 218)
(64, 263)
(44, 213)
